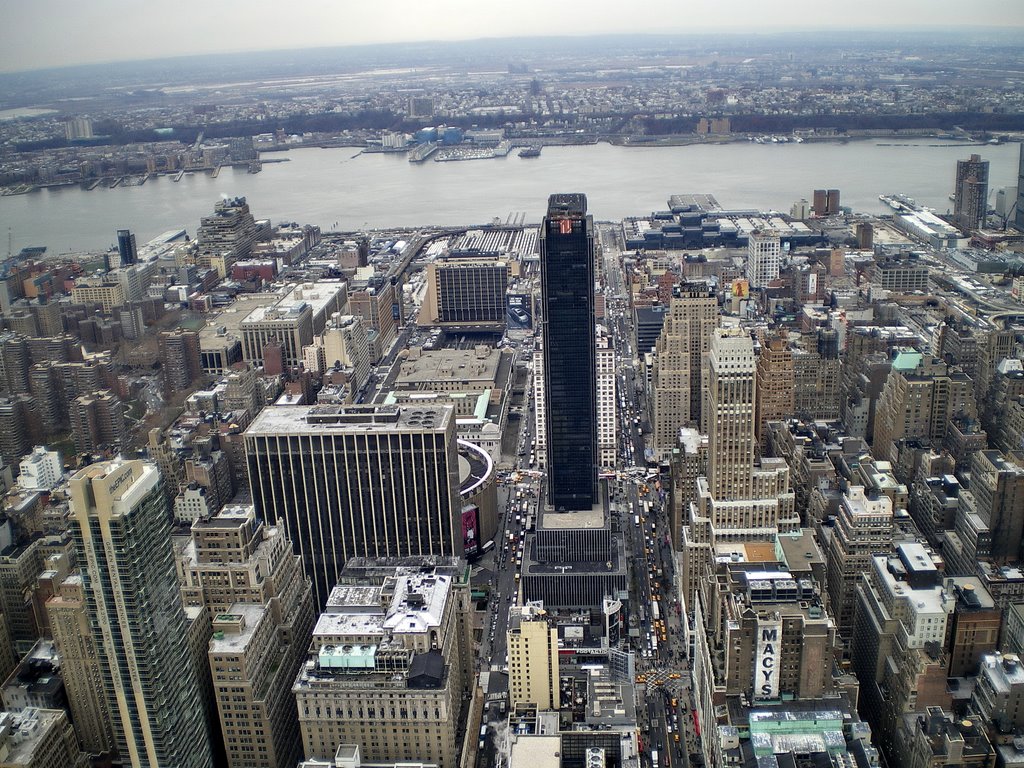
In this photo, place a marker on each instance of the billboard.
(766, 662)
(470, 530)
(740, 289)
(519, 311)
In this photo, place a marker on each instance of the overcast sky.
(44, 33)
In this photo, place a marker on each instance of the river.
(342, 189)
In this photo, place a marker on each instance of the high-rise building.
(738, 500)
(227, 236)
(826, 202)
(121, 530)
(533, 675)
(732, 371)
(920, 396)
(356, 481)
(864, 528)
(180, 360)
(607, 414)
(97, 420)
(970, 199)
(678, 365)
(126, 248)
(897, 644)
(764, 258)
(389, 666)
(246, 575)
(83, 678)
(776, 385)
(570, 376)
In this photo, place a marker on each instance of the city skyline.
(48, 34)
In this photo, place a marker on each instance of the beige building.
(108, 294)
(38, 738)
(262, 613)
(83, 679)
(739, 500)
(532, 658)
(864, 527)
(918, 399)
(388, 666)
(681, 348)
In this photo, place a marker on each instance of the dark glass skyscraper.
(570, 377)
(126, 248)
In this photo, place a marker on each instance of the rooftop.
(320, 419)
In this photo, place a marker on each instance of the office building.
(998, 695)
(973, 629)
(996, 496)
(246, 575)
(226, 236)
(738, 500)
(678, 365)
(83, 676)
(78, 128)
(863, 528)
(37, 682)
(900, 273)
(126, 248)
(764, 258)
(466, 293)
(730, 401)
(570, 377)
(970, 198)
(357, 481)
(388, 666)
(121, 531)
(533, 676)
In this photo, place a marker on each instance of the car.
(674, 676)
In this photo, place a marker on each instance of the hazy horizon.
(52, 34)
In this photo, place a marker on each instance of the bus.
(655, 612)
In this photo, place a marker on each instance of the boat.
(529, 152)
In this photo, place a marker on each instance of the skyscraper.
(682, 346)
(970, 201)
(126, 248)
(730, 404)
(122, 535)
(570, 375)
(764, 258)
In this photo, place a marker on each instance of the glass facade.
(570, 378)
